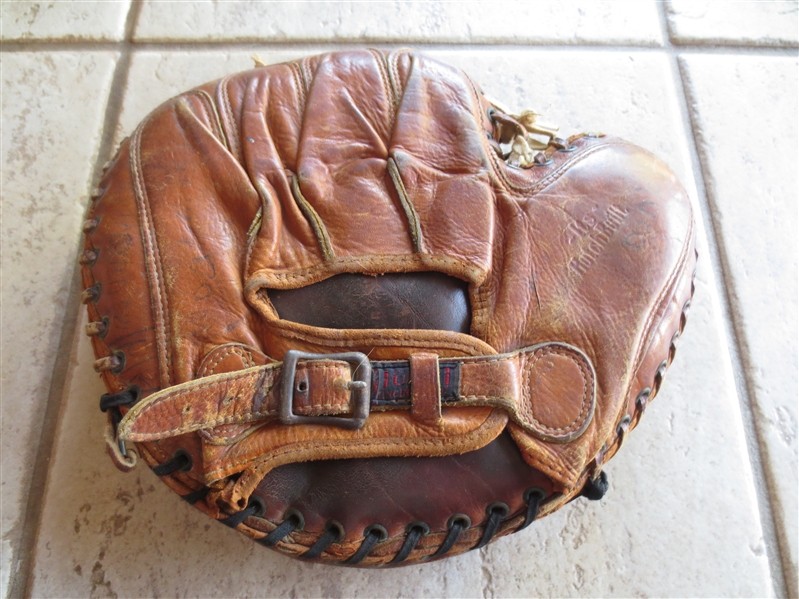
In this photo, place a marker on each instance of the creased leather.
(369, 163)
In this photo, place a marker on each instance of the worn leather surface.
(387, 490)
(423, 300)
(547, 390)
(228, 199)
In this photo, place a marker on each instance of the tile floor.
(704, 496)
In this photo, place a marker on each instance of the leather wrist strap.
(548, 390)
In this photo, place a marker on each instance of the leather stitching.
(414, 226)
(313, 218)
(232, 134)
(387, 89)
(300, 83)
(391, 62)
(527, 405)
(247, 359)
(340, 264)
(153, 264)
(212, 114)
(387, 441)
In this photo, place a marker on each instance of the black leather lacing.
(195, 496)
(456, 525)
(415, 530)
(128, 397)
(292, 521)
(371, 537)
(181, 461)
(334, 532)
(533, 497)
(374, 534)
(113, 401)
(496, 512)
(595, 489)
(255, 507)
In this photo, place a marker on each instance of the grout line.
(765, 486)
(777, 555)
(21, 581)
(456, 45)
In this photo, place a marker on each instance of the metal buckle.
(359, 402)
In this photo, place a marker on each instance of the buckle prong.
(361, 370)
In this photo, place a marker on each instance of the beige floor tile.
(759, 23)
(65, 21)
(754, 188)
(53, 107)
(502, 21)
(680, 519)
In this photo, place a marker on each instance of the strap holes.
(296, 517)
(338, 527)
(119, 362)
(661, 372)
(462, 519)
(418, 525)
(381, 532)
(534, 491)
(498, 506)
(642, 399)
(186, 462)
(624, 426)
(258, 504)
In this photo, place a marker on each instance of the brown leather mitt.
(356, 310)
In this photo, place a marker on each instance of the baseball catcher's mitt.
(363, 314)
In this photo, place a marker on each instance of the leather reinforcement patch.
(559, 394)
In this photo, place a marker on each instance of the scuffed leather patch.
(549, 390)
(559, 394)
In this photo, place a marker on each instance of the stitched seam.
(209, 369)
(299, 81)
(199, 386)
(313, 219)
(415, 229)
(307, 76)
(324, 365)
(205, 424)
(457, 440)
(321, 408)
(254, 229)
(381, 68)
(465, 347)
(233, 134)
(393, 75)
(479, 311)
(537, 354)
(580, 419)
(667, 293)
(213, 115)
(667, 288)
(376, 260)
(233, 378)
(153, 265)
